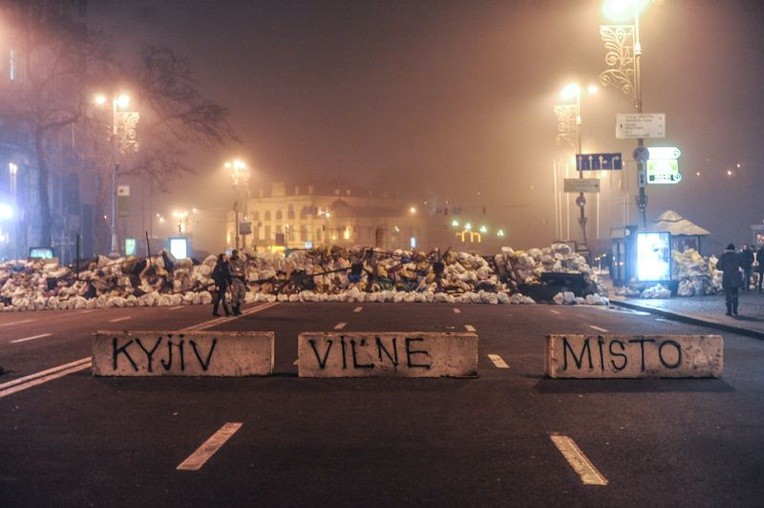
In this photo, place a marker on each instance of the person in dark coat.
(760, 261)
(238, 282)
(746, 263)
(222, 276)
(729, 263)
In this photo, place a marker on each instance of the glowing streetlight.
(573, 91)
(118, 102)
(240, 177)
(623, 57)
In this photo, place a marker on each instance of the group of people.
(229, 275)
(731, 263)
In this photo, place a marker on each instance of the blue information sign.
(598, 161)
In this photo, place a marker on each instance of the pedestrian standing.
(729, 263)
(238, 282)
(746, 263)
(760, 261)
(222, 276)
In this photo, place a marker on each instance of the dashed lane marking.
(578, 461)
(665, 321)
(469, 328)
(340, 326)
(177, 307)
(358, 309)
(554, 311)
(599, 329)
(33, 337)
(457, 311)
(44, 376)
(498, 361)
(196, 460)
(117, 320)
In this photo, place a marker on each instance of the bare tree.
(174, 117)
(54, 52)
(64, 64)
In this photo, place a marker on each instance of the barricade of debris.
(322, 274)
(692, 274)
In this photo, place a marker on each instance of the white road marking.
(117, 320)
(177, 307)
(44, 376)
(340, 326)
(664, 320)
(33, 337)
(296, 362)
(604, 330)
(87, 311)
(554, 311)
(17, 322)
(498, 361)
(217, 321)
(457, 311)
(196, 460)
(358, 309)
(578, 461)
(469, 328)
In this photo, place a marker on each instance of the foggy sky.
(452, 100)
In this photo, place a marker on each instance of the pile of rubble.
(696, 274)
(316, 275)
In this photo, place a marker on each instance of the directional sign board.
(663, 171)
(598, 161)
(640, 125)
(590, 185)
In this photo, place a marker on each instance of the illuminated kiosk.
(640, 257)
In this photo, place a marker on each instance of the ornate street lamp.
(623, 58)
(123, 140)
(240, 177)
(569, 126)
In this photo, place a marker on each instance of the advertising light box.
(653, 256)
(179, 248)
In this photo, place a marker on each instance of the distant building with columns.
(305, 216)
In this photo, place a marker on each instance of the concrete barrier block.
(197, 353)
(634, 356)
(387, 354)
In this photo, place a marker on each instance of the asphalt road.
(77, 440)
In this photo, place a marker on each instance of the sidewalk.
(705, 310)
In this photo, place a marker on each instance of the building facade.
(305, 216)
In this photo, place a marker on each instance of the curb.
(688, 318)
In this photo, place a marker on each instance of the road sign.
(641, 154)
(598, 161)
(664, 152)
(640, 125)
(590, 185)
(663, 171)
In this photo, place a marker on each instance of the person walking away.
(746, 263)
(222, 276)
(238, 282)
(729, 263)
(760, 261)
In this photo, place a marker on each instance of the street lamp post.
(624, 54)
(118, 102)
(239, 175)
(573, 91)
